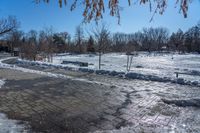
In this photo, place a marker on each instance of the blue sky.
(133, 18)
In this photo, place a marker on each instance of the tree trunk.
(127, 63)
(99, 60)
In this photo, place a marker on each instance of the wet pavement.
(109, 104)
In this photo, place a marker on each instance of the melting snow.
(10, 126)
(2, 82)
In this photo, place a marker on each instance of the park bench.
(78, 63)
(178, 73)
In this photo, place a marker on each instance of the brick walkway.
(65, 105)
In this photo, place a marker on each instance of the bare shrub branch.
(94, 9)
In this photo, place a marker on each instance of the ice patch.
(2, 82)
(10, 126)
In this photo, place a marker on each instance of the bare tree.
(155, 38)
(148, 39)
(30, 46)
(127, 42)
(46, 43)
(102, 36)
(79, 36)
(90, 46)
(160, 37)
(8, 25)
(26, 48)
(177, 39)
(120, 41)
(62, 40)
(192, 39)
(15, 39)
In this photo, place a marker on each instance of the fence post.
(176, 74)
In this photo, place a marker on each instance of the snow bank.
(130, 75)
(29, 70)
(49, 74)
(10, 126)
(2, 82)
(183, 102)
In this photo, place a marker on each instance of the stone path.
(64, 105)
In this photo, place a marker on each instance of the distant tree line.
(98, 40)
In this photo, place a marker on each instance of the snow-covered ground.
(162, 65)
(156, 67)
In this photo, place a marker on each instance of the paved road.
(65, 105)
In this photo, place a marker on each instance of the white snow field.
(155, 66)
